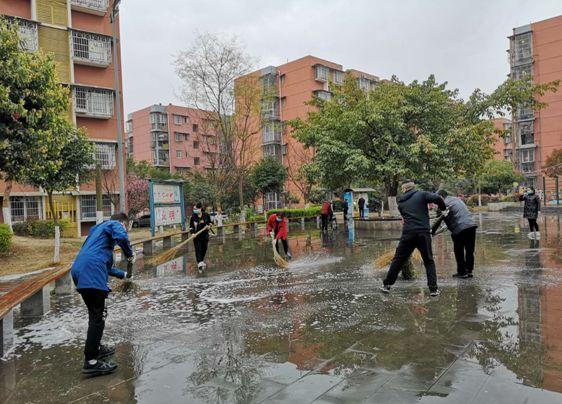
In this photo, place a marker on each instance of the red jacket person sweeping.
(90, 273)
(277, 229)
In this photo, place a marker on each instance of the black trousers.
(325, 220)
(285, 245)
(97, 312)
(200, 244)
(464, 243)
(345, 211)
(361, 212)
(533, 225)
(406, 246)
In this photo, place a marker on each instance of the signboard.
(167, 215)
(166, 204)
(171, 267)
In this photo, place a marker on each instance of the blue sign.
(167, 205)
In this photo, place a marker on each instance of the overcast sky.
(460, 41)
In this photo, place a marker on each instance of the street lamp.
(120, 163)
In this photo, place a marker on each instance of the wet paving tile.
(320, 331)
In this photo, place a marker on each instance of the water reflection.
(246, 331)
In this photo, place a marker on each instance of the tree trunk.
(56, 255)
(6, 204)
(241, 191)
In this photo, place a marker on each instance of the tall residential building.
(289, 87)
(536, 50)
(502, 144)
(79, 35)
(175, 138)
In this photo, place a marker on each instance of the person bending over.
(278, 229)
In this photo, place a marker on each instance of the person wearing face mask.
(531, 211)
(90, 272)
(198, 221)
(277, 229)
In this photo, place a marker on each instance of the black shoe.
(99, 368)
(434, 293)
(106, 351)
(469, 275)
(385, 289)
(463, 276)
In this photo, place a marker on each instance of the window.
(129, 126)
(195, 127)
(180, 119)
(179, 154)
(93, 102)
(96, 5)
(323, 95)
(271, 150)
(28, 35)
(322, 73)
(158, 121)
(91, 48)
(338, 77)
(196, 161)
(26, 208)
(88, 206)
(195, 144)
(527, 155)
(282, 80)
(180, 137)
(104, 155)
(272, 200)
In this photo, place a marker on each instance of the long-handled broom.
(127, 285)
(279, 260)
(171, 253)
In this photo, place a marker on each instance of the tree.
(137, 194)
(268, 175)
(31, 105)
(498, 176)
(214, 74)
(302, 171)
(395, 131)
(553, 164)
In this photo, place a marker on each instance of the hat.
(407, 185)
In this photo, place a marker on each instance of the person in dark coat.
(345, 209)
(197, 222)
(531, 211)
(462, 226)
(361, 204)
(90, 272)
(415, 234)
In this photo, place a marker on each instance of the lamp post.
(120, 162)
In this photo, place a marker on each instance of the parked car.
(141, 221)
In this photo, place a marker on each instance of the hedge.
(38, 228)
(304, 212)
(5, 238)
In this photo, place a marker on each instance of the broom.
(127, 285)
(279, 260)
(171, 253)
(408, 270)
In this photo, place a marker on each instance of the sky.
(460, 41)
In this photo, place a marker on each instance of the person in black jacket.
(415, 234)
(198, 221)
(462, 226)
(361, 204)
(531, 211)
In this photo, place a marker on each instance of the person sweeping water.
(278, 230)
(415, 234)
(90, 272)
(197, 224)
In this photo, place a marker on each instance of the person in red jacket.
(277, 229)
(327, 214)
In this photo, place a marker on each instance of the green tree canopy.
(268, 175)
(420, 130)
(498, 176)
(553, 164)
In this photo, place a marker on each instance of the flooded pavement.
(320, 331)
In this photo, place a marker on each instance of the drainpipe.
(120, 162)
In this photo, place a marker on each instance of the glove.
(445, 212)
(272, 234)
(132, 258)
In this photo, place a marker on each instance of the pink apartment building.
(175, 138)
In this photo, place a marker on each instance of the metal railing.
(96, 5)
(93, 102)
(28, 35)
(91, 48)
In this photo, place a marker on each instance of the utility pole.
(120, 160)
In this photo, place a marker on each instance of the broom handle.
(192, 237)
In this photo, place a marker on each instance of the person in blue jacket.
(90, 272)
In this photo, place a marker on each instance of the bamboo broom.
(279, 260)
(408, 270)
(171, 253)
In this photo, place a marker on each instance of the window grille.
(28, 35)
(91, 48)
(338, 77)
(88, 206)
(104, 155)
(25, 208)
(93, 102)
(322, 73)
(97, 5)
(179, 154)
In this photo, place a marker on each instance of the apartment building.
(79, 35)
(172, 137)
(536, 50)
(289, 87)
(502, 144)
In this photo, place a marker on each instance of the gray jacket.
(459, 217)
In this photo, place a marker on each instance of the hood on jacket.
(408, 195)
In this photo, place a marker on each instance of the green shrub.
(472, 200)
(313, 211)
(5, 239)
(39, 228)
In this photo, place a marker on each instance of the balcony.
(524, 113)
(322, 73)
(270, 111)
(323, 95)
(104, 155)
(91, 49)
(93, 102)
(28, 35)
(271, 137)
(97, 7)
